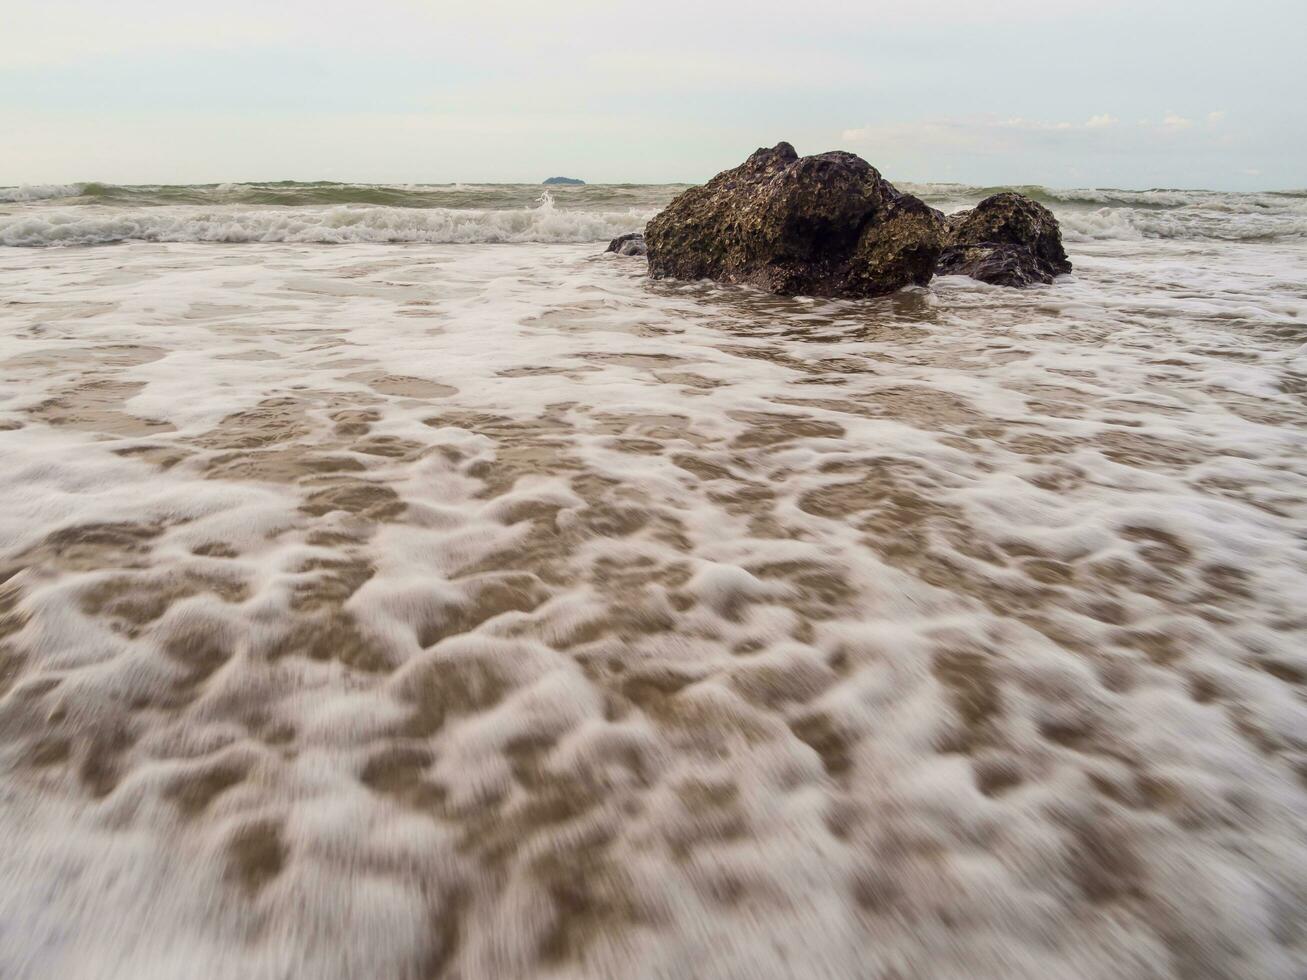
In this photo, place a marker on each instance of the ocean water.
(396, 586)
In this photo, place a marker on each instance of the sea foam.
(491, 611)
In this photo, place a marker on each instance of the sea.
(395, 585)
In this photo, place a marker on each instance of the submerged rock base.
(632, 244)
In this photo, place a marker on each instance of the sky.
(1108, 93)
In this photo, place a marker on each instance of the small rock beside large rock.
(1007, 239)
(632, 244)
(831, 225)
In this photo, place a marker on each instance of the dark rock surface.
(564, 180)
(1000, 265)
(1006, 239)
(632, 244)
(823, 225)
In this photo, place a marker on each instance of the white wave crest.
(331, 225)
(1190, 223)
(39, 192)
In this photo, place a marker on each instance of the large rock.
(1006, 239)
(823, 225)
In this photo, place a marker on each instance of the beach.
(395, 585)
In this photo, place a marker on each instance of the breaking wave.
(329, 212)
(1190, 222)
(39, 192)
(340, 224)
(1092, 214)
(322, 193)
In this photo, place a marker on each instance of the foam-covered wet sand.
(471, 611)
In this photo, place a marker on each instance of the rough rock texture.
(1000, 265)
(823, 225)
(1006, 239)
(632, 244)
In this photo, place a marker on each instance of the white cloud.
(992, 132)
(1174, 122)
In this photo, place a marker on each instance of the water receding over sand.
(490, 611)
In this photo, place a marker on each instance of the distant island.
(564, 180)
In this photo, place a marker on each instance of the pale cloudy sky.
(1128, 93)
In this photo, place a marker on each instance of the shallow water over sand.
(491, 611)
